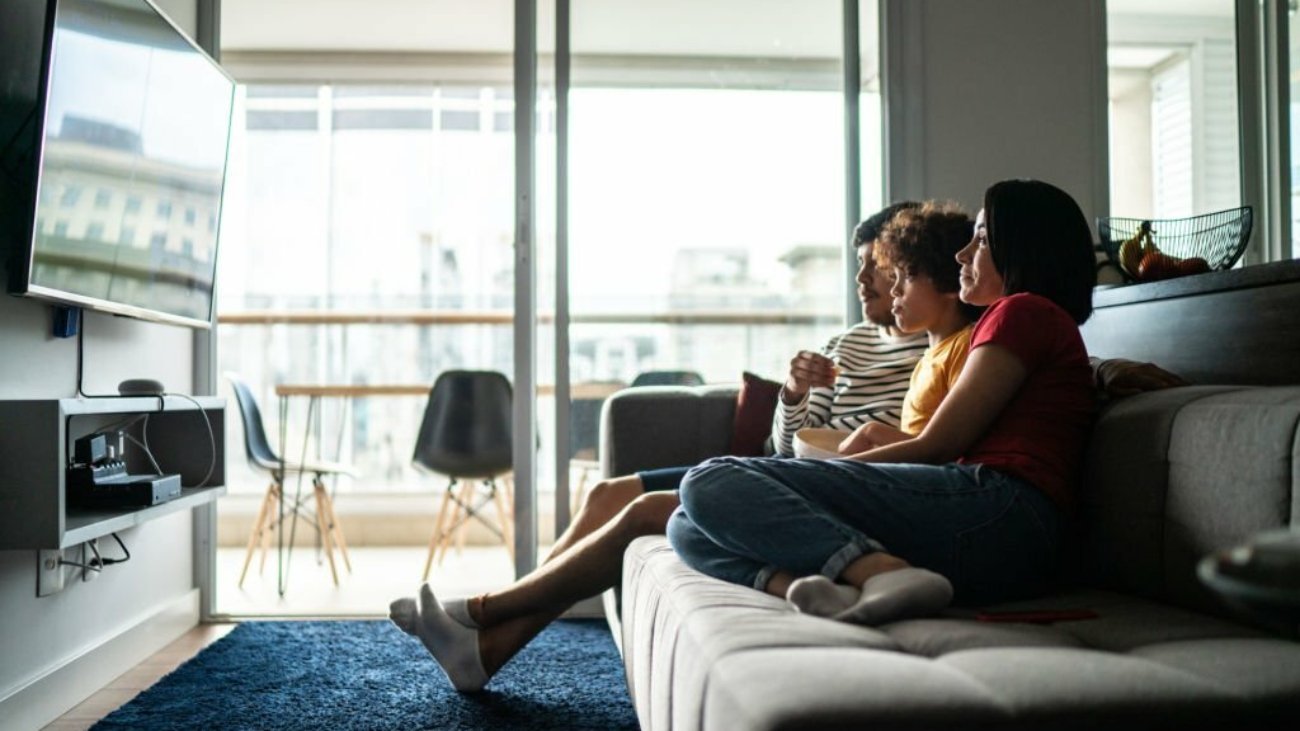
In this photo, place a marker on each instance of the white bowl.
(818, 443)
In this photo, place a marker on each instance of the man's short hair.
(869, 230)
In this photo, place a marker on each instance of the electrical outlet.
(51, 574)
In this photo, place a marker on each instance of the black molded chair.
(260, 455)
(668, 378)
(466, 434)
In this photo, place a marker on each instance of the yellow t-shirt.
(933, 378)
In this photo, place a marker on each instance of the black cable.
(145, 446)
(212, 438)
(126, 555)
(99, 562)
(81, 327)
(162, 406)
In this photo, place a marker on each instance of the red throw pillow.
(755, 406)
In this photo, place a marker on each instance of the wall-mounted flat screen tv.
(135, 126)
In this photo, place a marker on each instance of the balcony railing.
(403, 348)
(504, 317)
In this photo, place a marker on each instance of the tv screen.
(134, 137)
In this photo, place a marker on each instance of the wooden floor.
(378, 576)
(130, 683)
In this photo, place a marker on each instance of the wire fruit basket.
(1148, 249)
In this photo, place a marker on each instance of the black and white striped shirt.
(874, 371)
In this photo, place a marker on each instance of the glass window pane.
(706, 178)
(375, 211)
(870, 110)
(1294, 131)
(1174, 139)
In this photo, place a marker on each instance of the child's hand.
(870, 436)
(809, 370)
(1119, 377)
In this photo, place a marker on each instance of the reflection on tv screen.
(133, 162)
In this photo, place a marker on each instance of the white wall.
(55, 650)
(977, 92)
(1130, 149)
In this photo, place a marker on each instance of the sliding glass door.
(706, 196)
(367, 248)
(682, 210)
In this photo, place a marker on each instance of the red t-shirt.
(1040, 436)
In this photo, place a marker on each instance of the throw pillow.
(755, 406)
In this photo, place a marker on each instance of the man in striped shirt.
(862, 374)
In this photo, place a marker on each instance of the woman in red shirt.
(973, 507)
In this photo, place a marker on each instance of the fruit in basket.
(1156, 265)
(1135, 249)
(1193, 265)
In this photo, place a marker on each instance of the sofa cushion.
(1244, 489)
(665, 426)
(755, 408)
(1174, 475)
(685, 621)
(704, 653)
(1122, 501)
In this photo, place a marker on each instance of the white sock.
(821, 597)
(458, 609)
(899, 594)
(453, 646)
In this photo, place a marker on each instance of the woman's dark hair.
(869, 230)
(925, 240)
(1041, 243)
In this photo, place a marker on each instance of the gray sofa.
(1171, 476)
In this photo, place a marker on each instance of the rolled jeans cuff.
(763, 576)
(852, 551)
(834, 566)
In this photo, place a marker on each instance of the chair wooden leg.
(255, 536)
(448, 532)
(508, 486)
(504, 520)
(322, 500)
(337, 532)
(460, 515)
(467, 496)
(436, 536)
(272, 525)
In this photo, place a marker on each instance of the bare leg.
(779, 584)
(513, 616)
(599, 506)
(870, 565)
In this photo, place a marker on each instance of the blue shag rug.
(355, 675)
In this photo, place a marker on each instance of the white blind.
(1218, 176)
(1171, 140)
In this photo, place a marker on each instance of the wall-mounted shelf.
(80, 526)
(36, 439)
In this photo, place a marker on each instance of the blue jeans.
(993, 536)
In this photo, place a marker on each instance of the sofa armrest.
(665, 426)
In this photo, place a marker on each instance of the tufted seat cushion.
(703, 653)
(1170, 476)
